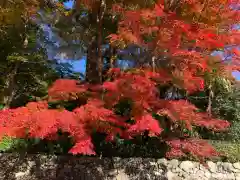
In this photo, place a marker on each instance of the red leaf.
(236, 52)
(159, 10)
(83, 147)
(146, 122)
(196, 147)
(66, 89)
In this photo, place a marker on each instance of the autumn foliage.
(182, 38)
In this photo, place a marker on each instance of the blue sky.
(69, 4)
(80, 65)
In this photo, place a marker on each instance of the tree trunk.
(3, 5)
(94, 64)
(101, 13)
(154, 64)
(112, 56)
(9, 90)
(210, 97)
(91, 64)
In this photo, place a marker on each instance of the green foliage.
(34, 73)
(6, 143)
(10, 144)
(227, 106)
(60, 146)
(231, 151)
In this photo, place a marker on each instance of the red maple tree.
(182, 39)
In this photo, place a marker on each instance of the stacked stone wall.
(45, 167)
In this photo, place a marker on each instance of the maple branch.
(153, 63)
(112, 56)
(210, 96)
(4, 4)
(224, 60)
(197, 97)
(174, 4)
(205, 4)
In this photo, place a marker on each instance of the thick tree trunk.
(92, 64)
(101, 13)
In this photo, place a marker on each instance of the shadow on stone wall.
(41, 167)
(47, 167)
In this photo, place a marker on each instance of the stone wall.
(43, 167)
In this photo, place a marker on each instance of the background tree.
(25, 70)
(78, 26)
